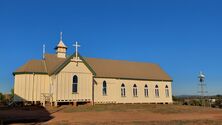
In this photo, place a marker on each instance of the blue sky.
(183, 36)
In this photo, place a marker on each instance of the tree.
(218, 103)
(174, 98)
(218, 96)
(1, 96)
(195, 102)
(12, 92)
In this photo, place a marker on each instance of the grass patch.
(163, 109)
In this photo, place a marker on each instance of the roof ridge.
(109, 59)
(34, 60)
(121, 60)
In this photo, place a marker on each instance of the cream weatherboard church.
(59, 78)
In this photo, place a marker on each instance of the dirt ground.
(129, 117)
(114, 114)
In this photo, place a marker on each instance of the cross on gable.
(76, 45)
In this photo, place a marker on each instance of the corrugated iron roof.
(127, 70)
(33, 66)
(102, 67)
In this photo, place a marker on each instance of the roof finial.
(60, 36)
(43, 51)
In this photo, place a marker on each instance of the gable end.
(69, 60)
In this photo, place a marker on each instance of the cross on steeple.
(76, 45)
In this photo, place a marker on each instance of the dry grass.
(118, 114)
(163, 109)
(139, 108)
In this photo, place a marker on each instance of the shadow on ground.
(27, 114)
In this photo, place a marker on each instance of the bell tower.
(61, 48)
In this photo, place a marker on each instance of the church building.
(59, 78)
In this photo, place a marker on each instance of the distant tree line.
(5, 98)
(214, 101)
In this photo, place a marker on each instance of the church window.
(134, 90)
(75, 84)
(167, 91)
(123, 90)
(157, 91)
(104, 88)
(146, 91)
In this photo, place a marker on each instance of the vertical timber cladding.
(65, 79)
(114, 91)
(111, 91)
(22, 83)
(28, 87)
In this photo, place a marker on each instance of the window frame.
(167, 93)
(104, 88)
(146, 91)
(75, 84)
(123, 90)
(135, 92)
(157, 93)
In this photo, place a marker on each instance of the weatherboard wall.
(114, 91)
(28, 87)
(64, 79)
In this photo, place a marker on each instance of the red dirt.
(41, 115)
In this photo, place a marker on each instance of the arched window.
(75, 84)
(167, 91)
(123, 90)
(104, 88)
(146, 91)
(157, 91)
(134, 90)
